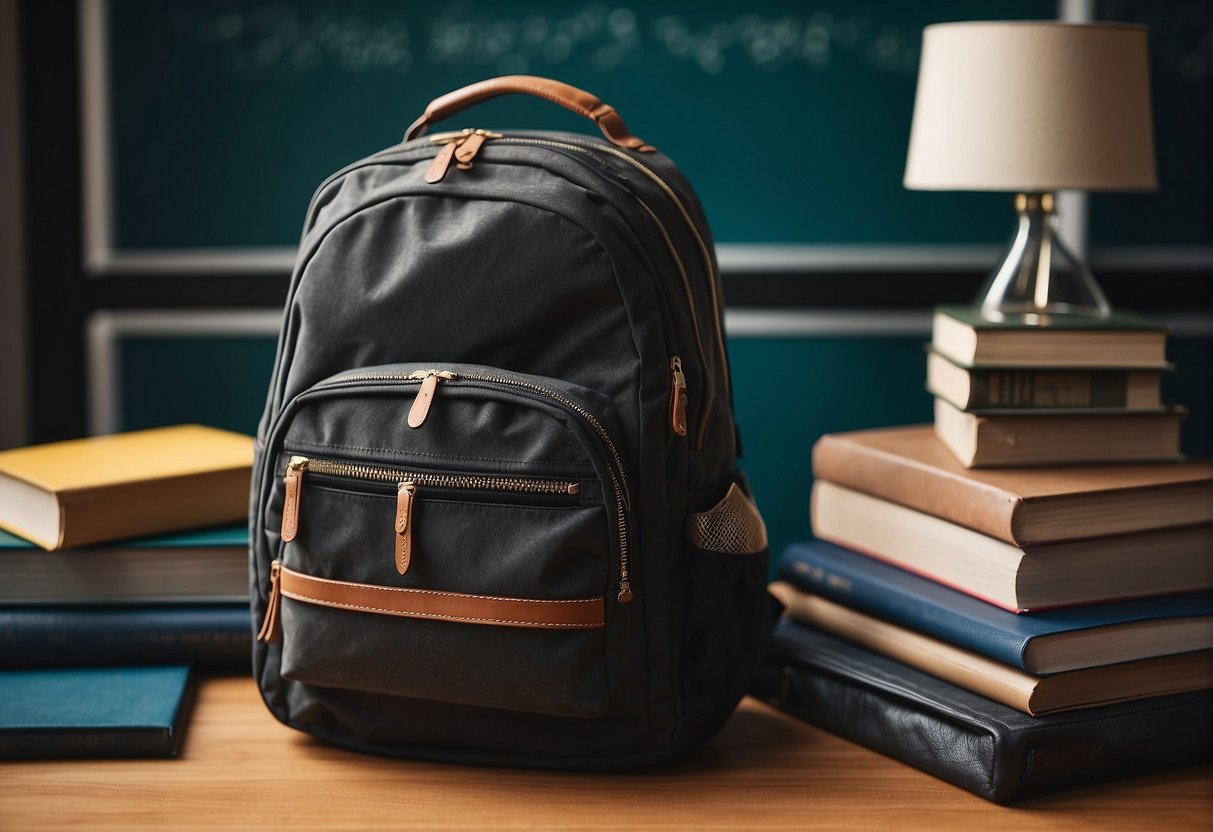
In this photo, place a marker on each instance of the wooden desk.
(240, 769)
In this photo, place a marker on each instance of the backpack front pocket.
(464, 556)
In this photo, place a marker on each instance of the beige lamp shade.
(1032, 106)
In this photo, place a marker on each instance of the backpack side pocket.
(728, 620)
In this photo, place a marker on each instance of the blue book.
(1038, 643)
(99, 712)
(208, 566)
(216, 637)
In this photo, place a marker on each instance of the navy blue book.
(95, 712)
(1038, 643)
(215, 637)
(989, 749)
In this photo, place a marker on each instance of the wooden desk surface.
(240, 769)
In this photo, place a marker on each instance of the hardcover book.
(1122, 340)
(1003, 389)
(207, 566)
(94, 712)
(1015, 578)
(911, 467)
(125, 485)
(215, 637)
(1052, 438)
(1040, 643)
(1036, 695)
(989, 749)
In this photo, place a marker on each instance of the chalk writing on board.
(279, 40)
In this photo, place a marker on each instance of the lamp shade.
(1032, 106)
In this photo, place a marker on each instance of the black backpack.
(496, 515)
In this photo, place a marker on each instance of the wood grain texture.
(240, 770)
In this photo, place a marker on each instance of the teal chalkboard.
(791, 120)
(1180, 213)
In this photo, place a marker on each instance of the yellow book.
(125, 485)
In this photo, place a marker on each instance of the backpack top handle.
(571, 98)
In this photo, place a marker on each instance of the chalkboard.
(790, 118)
(1181, 87)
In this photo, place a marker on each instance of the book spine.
(58, 744)
(959, 500)
(1047, 389)
(214, 637)
(852, 587)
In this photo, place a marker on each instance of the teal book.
(208, 566)
(1123, 340)
(91, 713)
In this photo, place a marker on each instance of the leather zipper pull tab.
(406, 492)
(290, 503)
(436, 172)
(467, 150)
(425, 396)
(269, 624)
(678, 397)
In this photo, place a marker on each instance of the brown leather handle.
(579, 101)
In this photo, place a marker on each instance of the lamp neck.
(1039, 277)
(1036, 203)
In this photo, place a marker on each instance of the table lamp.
(1031, 108)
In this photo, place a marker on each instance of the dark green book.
(89, 713)
(209, 566)
(1123, 341)
(992, 390)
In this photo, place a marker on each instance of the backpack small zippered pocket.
(465, 554)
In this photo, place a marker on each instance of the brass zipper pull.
(678, 397)
(625, 592)
(290, 503)
(406, 492)
(269, 624)
(425, 396)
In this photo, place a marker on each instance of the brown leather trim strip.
(445, 606)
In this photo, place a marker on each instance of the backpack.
(496, 516)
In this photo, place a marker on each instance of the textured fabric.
(552, 285)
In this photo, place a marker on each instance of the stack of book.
(1011, 630)
(114, 556)
(1075, 391)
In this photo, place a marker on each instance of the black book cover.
(958, 736)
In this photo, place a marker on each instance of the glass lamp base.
(1040, 280)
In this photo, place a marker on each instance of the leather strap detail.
(571, 98)
(579, 613)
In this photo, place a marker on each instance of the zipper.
(407, 484)
(454, 141)
(462, 482)
(619, 484)
(709, 381)
(460, 148)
